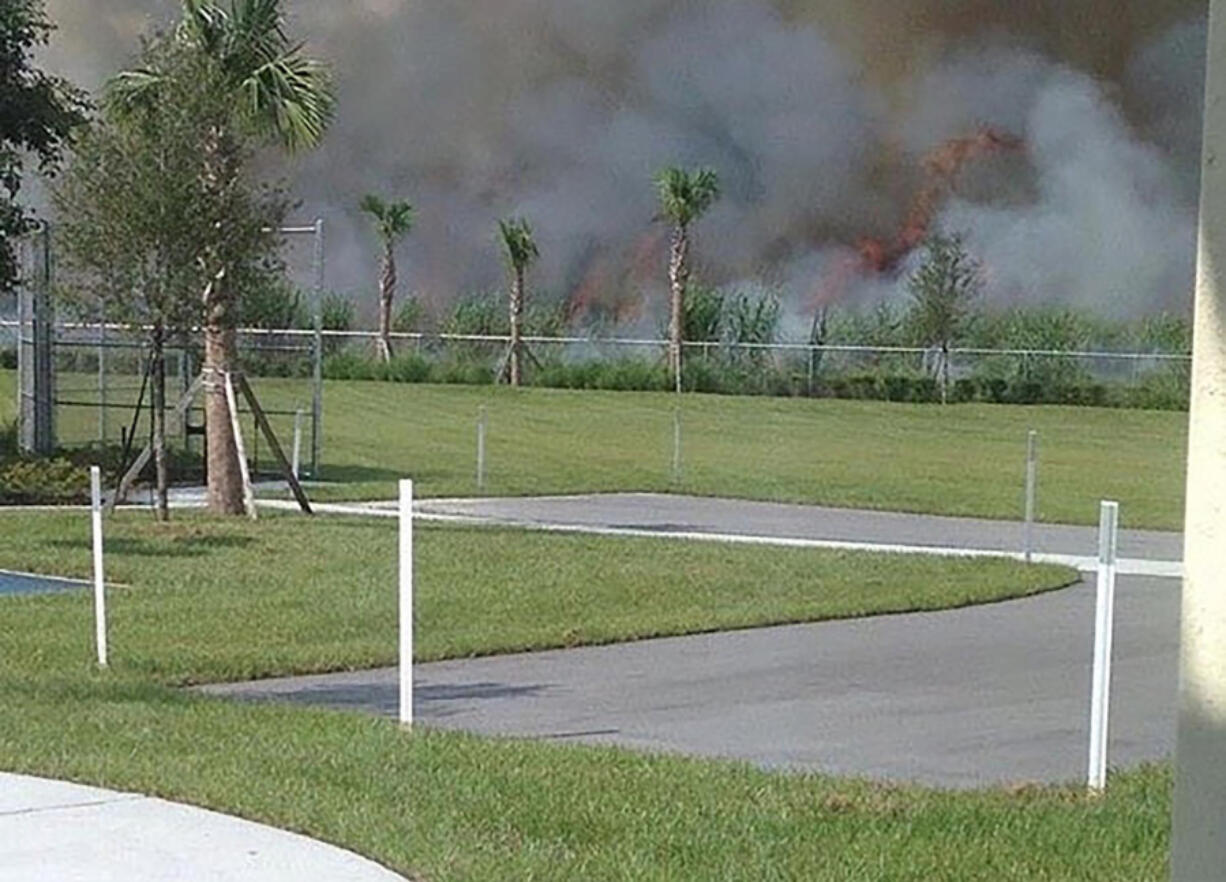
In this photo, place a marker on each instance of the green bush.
(409, 317)
(337, 313)
(8, 358)
(43, 482)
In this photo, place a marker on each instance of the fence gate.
(35, 347)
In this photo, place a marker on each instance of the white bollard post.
(482, 419)
(95, 489)
(1032, 474)
(1104, 627)
(406, 603)
(296, 462)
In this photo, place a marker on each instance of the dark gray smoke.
(816, 113)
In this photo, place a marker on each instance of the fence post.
(95, 492)
(406, 603)
(1032, 462)
(102, 403)
(1104, 626)
(317, 392)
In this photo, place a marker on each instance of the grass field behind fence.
(208, 599)
(957, 460)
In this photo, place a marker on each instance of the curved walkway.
(962, 698)
(1142, 552)
(53, 831)
(965, 698)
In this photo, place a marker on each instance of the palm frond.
(204, 25)
(518, 242)
(289, 99)
(393, 220)
(685, 196)
(373, 205)
(130, 91)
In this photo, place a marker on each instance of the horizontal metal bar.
(813, 348)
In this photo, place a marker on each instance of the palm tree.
(519, 248)
(254, 81)
(685, 196)
(393, 221)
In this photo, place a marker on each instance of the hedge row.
(1158, 390)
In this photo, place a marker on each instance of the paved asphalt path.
(664, 514)
(992, 694)
(958, 699)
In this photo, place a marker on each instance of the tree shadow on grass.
(188, 546)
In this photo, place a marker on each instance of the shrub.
(409, 317)
(43, 482)
(8, 358)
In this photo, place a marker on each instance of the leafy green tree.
(133, 210)
(274, 306)
(684, 196)
(257, 86)
(944, 290)
(37, 115)
(520, 250)
(393, 221)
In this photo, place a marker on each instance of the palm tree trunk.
(678, 278)
(158, 370)
(517, 326)
(387, 292)
(225, 479)
(945, 373)
(225, 483)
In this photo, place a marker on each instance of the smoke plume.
(817, 113)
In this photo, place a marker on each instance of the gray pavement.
(689, 514)
(958, 699)
(53, 831)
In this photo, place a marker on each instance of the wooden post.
(142, 460)
(261, 420)
(240, 448)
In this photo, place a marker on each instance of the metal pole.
(1199, 845)
(44, 342)
(1032, 462)
(95, 491)
(317, 395)
(482, 420)
(25, 357)
(102, 379)
(406, 603)
(1104, 628)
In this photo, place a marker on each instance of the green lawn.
(958, 460)
(205, 600)
(965, 460)
(231, 600)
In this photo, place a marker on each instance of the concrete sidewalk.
(52, 831)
